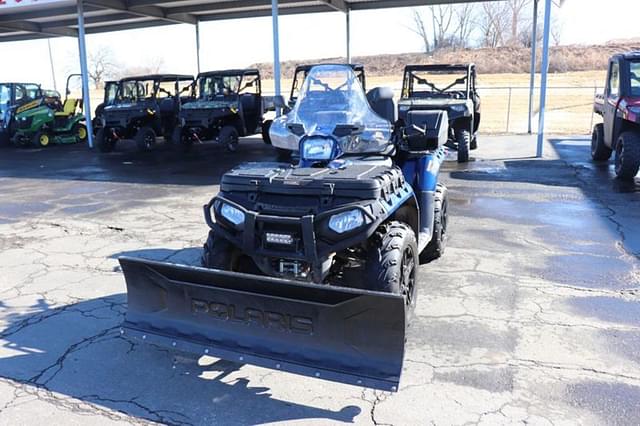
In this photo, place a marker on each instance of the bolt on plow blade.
(334, 333)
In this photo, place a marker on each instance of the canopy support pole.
(85, 73)
(53, 69)
(198, 44)
(544, 71)
(276, 51)
(534, 43)
(348, 23)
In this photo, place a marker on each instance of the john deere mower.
(46, 120)
(312, 268)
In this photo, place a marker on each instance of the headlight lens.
(459, 108)
(346, 221)
(232, 214)
(317, 149)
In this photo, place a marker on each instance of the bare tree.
(556, 29)
(442, 19)
(494, 23)
(151, 66)
(517, 9)
(101, 65)
(464, 17)
(420, 29)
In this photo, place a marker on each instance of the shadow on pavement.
(77, 351)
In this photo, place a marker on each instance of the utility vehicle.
(13, 96)
(445, 87)
(299, 75)
(145, 107)
(109, 97)
(47, 120)
(619, 107)
(228, 105)
(312, 268)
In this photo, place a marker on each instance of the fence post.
(509, 110)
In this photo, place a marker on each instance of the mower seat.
(68, 109)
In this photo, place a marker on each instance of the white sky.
(238, 43)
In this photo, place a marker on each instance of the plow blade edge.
(334, 333)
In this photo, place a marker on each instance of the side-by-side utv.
(13, 96)
(228, 105)
(145, 107)
(47, 120)
(313, 268)
(109, 97)
(445, 87)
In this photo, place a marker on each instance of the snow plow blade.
(333, 333)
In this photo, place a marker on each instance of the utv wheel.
(438, 242)
(145, 139)
(229, 137)
(474, 143)
(463, 139)
(180, 142)
(266, 125)
(627, 158)
(599, 151)
(41, 139)
(80, 132)
(392, 260)
(218, 253)
(105, 140)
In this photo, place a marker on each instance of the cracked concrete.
(531, 317)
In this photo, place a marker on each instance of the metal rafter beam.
(39, 14)
(101, 19)
(31, 27)
(261, 13)
(145, 11)
(339, 5)
(248, 7)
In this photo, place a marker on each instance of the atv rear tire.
(218, 253)
(599, 151)
(105, 141)
(627, 158)
(229, 137)
(145, 139)
(266, 125)
(392, 261)
(463, 140)
(438, 242)
(41, 139)
(80, 132)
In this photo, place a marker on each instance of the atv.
(48, 120)
(13, 96)
(228, 105)
(619, 107)
(445, 87)
(145, 107)
(110, 92)
(312, 268)
(299, 75)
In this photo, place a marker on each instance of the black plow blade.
(333, 333)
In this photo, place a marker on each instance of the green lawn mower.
(47, 120)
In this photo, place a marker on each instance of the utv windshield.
(448, 82)
(5, 102)
(331, 98)
(218, 85)
(634, 68)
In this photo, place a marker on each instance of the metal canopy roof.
(59, 18)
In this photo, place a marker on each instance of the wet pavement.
(532, 315)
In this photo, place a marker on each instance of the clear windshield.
(635, 78)
(5, 100)
(436, 83)
(218, 85)
(332, 96)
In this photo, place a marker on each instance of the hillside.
(488, 61)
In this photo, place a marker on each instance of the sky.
(239, 43)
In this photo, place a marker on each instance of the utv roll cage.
(242, 73)
(157, 80)
(411, 78)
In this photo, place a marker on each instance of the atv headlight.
(317, 148)
(346, 221)
(459, 108)
(232, 214)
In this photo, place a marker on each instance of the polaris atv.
(445, 87)
(229, 104)
(48, 120)
(145, 107)
(13, 96)
(311, 268)
(299, 75)
(110, 92)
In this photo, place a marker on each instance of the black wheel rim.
(408, 275)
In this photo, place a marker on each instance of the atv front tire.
(627, 158)
(229, 137)
(599, 151)
(438, 242)
(105, 140)
(217, 253)
(266, 125)
(392, 261)
(463, 139)
(284, 154)
(145, 139)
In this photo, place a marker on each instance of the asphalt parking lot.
(532, 315)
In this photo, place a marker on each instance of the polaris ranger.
(110, 92)
(145, 107)
(445, 87)
(229, 104)
(310, 269)
(619, 107)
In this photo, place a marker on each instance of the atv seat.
(68, 109)
(381, 101)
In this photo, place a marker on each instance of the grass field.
(569, 100)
